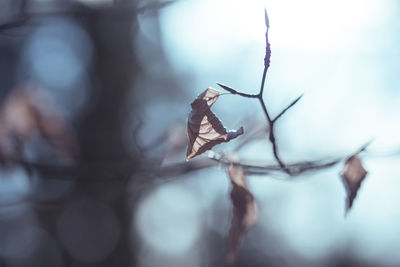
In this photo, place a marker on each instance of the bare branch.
(292, 169)
(259, 96)
(14, 24)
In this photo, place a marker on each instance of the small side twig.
(287, 108)
(233, 91)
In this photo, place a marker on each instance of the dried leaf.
(352, 176)
(205, 130)
(245, 211)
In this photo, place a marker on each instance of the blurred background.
(95, 96)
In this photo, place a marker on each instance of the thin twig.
(292, 169)
(287, 108)
(272, 136)
(267, 54)
(233, 91)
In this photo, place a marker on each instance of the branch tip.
(364, 147)
(227, 88)
(288, 107)
(266, 18)
(233, 91)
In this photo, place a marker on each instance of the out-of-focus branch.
(154, 6)
(112, 171)
(117, 11)
(18, 22)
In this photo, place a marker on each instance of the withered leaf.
(245, 210)
(205, 130)
(352, 176)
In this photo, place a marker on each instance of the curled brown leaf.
(205, 130)
(245, 210)
(352, 176)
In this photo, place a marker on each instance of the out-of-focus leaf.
(205, 130)
(245, 211)
(352, 176)
(176, 137)
(19, 115)
(54, 127)
(29, 113)
(174, 144)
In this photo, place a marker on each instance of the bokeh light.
(55, 60)
(14, 185)
(169, 219)
(45, 252)
(89, 230)
(58, 63)
(19, 236)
